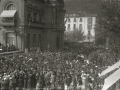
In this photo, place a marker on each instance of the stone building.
(32, 24)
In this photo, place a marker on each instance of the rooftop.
(79, 14)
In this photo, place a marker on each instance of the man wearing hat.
(0, 81)
(29, 85)
(20, 81)
(25, 81)
(14, 82)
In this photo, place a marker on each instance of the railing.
(37, 23)
(12, 53)
(6, 22)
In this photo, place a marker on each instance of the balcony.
(34, 23)
(8, 18)
(8, 22)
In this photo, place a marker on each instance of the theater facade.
(32, 24)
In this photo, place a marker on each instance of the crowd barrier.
(12, 53)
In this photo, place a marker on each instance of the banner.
(109, 69)
(109, 81)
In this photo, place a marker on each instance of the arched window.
(11, 7)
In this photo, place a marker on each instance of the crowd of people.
(47, 70)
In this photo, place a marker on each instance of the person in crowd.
(29, 82)
(52, 70)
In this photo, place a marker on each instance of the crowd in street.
(50, 71)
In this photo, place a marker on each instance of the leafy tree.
(109, 22)
(75, 35)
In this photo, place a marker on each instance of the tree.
(109, 22)
(75, 35)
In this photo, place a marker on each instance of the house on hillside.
(81, 21)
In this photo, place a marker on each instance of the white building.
(81, 21)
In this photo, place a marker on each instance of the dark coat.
(34, 81)
(5, 85)
(68, 80)
(42, 81)
(25, 81)
(14, 83)
(20, 81)
(29, 85)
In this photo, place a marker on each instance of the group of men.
(50, 71)
(7, 48)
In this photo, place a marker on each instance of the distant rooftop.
(79, 14)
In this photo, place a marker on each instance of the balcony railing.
(35, 23)
(7, 22)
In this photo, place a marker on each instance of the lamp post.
(18, 31)
(23, 35)
(21, 27)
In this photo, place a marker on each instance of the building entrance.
(10, 39)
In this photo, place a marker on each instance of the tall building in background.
(81, 21)
(32, 24)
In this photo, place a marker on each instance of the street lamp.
(18, 31)
(23, 35)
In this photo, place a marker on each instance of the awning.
(8, 13)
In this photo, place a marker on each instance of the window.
(74, 20)
(80, 19)
(58, 42)
(35, 16)
(34, 40)
(39, 40)
(89, 20)
(68, 20)
(40, 17)
(88, 37)
(29, 12)
(80, 26)
(68, 25)
(88, 32)
(28, 40)
(10, 40)
(11, 7)
(29, 15)
(74, 27)
(89, 26)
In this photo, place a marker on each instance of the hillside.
(89, 6)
